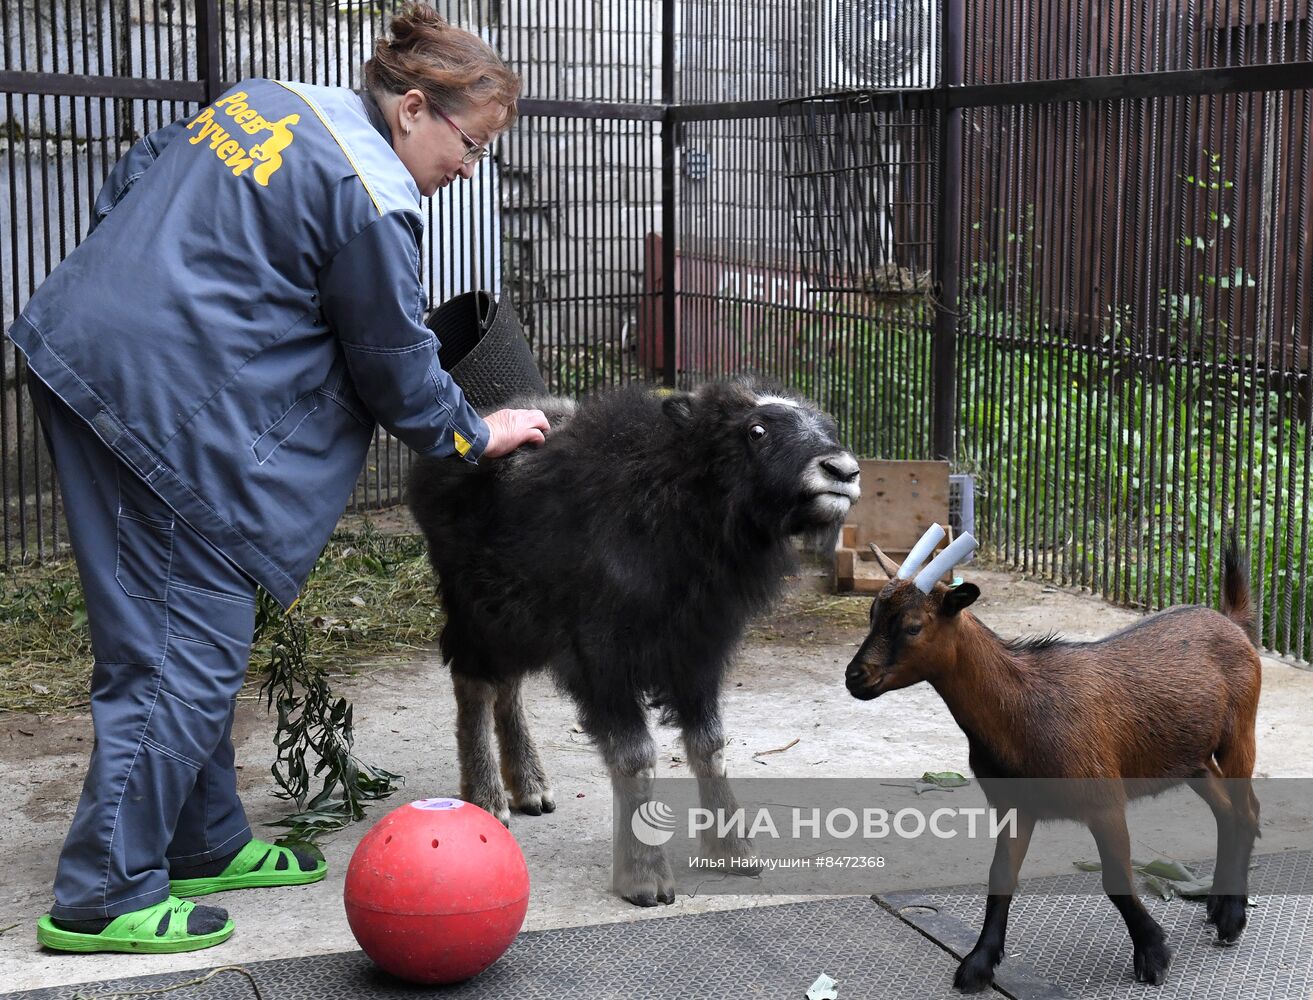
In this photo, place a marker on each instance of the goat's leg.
(977, 970)
(1235, 808)
(704, 743)
(1152, 955)
(641, 873)
(480, 782)
(521, 767)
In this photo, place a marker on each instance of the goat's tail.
(1235, 589)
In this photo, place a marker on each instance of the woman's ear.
(411, 106)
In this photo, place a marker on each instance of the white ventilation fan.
(870, 44)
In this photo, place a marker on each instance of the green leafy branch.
(313, 724)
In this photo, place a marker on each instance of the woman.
(208, 366)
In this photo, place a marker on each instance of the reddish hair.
(454, 69)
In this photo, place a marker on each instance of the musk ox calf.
(625, 555)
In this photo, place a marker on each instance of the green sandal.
(255, 865)
(136, 931)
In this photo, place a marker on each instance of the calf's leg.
(480, 782)
(640, 874)
(521, 767)
(704, 742)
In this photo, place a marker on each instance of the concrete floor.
(787, 685)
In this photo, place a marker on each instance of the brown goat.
(1171, 699)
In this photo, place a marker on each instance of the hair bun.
(413, 17)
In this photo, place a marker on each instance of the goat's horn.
(962, 546)
(885, 562)
(921, 551)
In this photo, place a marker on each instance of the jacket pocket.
(144, 558)
(284, 427)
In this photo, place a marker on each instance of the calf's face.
(800, 475)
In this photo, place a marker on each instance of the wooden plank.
(899, 501)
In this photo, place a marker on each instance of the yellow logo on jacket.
(236, 157)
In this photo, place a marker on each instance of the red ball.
(436, 891)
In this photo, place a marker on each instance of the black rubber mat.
(1064, 940)
(768, 952)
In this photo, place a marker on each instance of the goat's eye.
(756, 432)
(912, 628)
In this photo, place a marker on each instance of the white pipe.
(962, 546)
(921, 551)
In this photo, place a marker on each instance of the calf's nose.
(843, 467)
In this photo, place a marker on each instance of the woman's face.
(432, 147)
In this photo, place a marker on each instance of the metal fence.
(1065, 246)
(1134, 326)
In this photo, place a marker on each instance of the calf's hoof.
(536, 803)
(737, 855)
(650, 897)
(489, 800)
(645, 880)
(1152, 962)
(1230, 918)
(975, 973)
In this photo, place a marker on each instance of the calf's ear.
(678, 408)
(958, 598)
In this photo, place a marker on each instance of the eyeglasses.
(474, 151)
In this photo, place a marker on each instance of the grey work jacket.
(245, 308)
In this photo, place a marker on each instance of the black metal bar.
(1128, 86)
(1239, 79)
(948, 239)
(533, 107)
(82, 85)
(1114, 87)
(209, 58)
(669, 207)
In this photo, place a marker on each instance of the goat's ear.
(678, 408)
(958, 598)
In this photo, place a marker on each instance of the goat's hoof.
(1152, 962)
(1230, 918)
(975, 973)
(536, 803)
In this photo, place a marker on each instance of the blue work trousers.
(171, 623)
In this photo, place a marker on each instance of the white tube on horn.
(921, 551)
(961, 546)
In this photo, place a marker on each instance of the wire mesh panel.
(860, 185)
(1136, 343)
(1012, 42)
(861, 189)
(582, 195)
(746, 304)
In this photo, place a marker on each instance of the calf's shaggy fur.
(625, 555)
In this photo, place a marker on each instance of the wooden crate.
(899, 501)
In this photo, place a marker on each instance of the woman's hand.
(512, 428)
